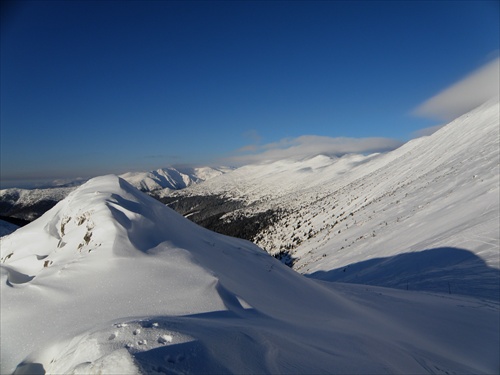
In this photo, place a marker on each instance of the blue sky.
(96, 87)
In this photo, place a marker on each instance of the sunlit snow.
(110, 277)
(112, 281)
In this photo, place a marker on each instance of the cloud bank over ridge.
(308, 146)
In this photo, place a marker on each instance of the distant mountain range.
(29, 204)
(172, 178)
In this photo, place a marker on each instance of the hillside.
(326, 215)
(110, 280)
(29, 204)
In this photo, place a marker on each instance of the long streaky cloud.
(470, 92)
(311, 145)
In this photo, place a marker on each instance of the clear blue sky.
(94, 87)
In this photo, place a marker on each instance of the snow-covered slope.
(436, 198)
(112, 281)
(171, 178)
(433, 195)
(438, 192)
(258, 183)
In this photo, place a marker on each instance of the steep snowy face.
(110, 280)
(434, 193)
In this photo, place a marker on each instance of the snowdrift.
(112, 281)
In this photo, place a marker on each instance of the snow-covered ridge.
(171, 178)
(267, 181)
(111, 280)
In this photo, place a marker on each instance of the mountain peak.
(89, 220)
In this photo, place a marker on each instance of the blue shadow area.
(443, 270)
(187, 358)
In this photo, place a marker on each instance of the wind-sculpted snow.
(112, 281)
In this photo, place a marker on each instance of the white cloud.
(470, 92)
(311, 145)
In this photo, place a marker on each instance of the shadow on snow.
(444, 270)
